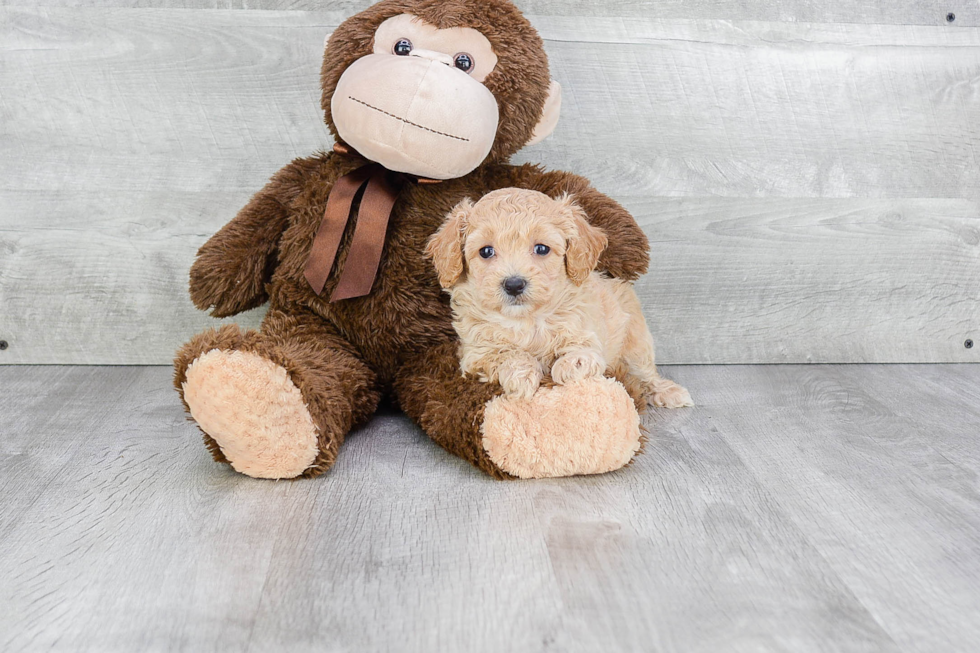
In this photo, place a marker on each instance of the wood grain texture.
(182, 100)
(826, 174)
(748, 281)
(811, 280)
(802, 508)
(883, 432)
(104, 277)
(883, 12)
(766, 110)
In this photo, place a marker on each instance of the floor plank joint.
(797, 508)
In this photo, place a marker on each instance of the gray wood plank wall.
(808, 173)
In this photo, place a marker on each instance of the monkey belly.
(405, 313)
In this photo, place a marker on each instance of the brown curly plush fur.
(398, 340)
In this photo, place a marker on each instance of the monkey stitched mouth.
(407, 122)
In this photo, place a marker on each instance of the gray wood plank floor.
(797, 508)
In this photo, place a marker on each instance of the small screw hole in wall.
(950, 17)
(3, 345)
(968, 344)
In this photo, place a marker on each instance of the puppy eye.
(486, 252)
(464, 62)
(541, 250)
(403, 47)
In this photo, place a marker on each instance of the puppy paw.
(577, 365)
(520, 378)
(670, 395)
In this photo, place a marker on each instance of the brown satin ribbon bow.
(364, 255)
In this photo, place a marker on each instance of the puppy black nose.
(514, 286)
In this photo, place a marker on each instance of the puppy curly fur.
(560, 315)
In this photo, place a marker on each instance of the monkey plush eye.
(486, 252)
(541, 250)
(403, 47)
(464, 62)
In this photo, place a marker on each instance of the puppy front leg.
(517, 372)
(578, 363)
(520, 375)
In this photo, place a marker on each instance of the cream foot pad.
(255, 413)
(587, 427)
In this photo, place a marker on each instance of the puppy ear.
(585, 242)
(445, 248)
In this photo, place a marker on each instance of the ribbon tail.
(364, 256)
(332, 226)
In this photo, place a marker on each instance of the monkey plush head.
(435, 88)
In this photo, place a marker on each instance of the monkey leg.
(586, 427)
(275, 403)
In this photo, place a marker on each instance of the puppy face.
(514, 259)
(515, 249)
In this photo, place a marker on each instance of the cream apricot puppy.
(526, 299)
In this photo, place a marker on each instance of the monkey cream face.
(417, 104)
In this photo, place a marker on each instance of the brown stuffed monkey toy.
(428, 100)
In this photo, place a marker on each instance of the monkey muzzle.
(415, 115)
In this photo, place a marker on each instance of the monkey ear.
(585, 243)
(445, 248)
(549, 117)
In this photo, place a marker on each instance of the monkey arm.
(628, 253)
(232, 267)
